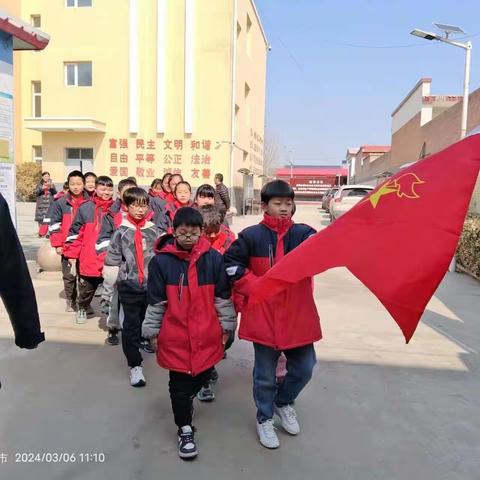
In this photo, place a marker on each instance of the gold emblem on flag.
(404, 186)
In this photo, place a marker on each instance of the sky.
(338, 69)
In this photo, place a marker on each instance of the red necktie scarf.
(138, 239)
(280, 226)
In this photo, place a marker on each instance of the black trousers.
(183, 388)
(69, 281)
(87, 287)
(228, 344)
(134, 303)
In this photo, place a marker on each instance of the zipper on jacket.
(180, 287)
(270, 255)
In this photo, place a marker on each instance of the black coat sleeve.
(16, 288)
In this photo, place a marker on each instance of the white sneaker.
(267, 435)
(136, 377)
(288, 417)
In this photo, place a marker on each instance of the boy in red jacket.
(220, 238)
(81, 240)
(190, 314)
(287, 323)
(64, 210)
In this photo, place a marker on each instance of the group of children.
(174, 279)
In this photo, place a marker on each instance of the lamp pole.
(466, 88)
(467, 46)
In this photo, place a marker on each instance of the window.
(356, 192)
(37, 154)
(78, 74)
(247, 90)
(36, 99)
(249, 36)
(79, 3)
(249, 23)
(79, 159)
(239, 29)
(237, 109)
(36, 21)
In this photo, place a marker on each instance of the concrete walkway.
(375, 409)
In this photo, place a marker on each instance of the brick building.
(359, 159)
(421, 125)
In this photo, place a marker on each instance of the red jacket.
(289, 319)
(83, 235)
(63, 211)
(190, 338)
(221, 243)
(169, 197)
(156, 194)
(172, 207)
(59, 195)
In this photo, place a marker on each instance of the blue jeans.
(300, 363)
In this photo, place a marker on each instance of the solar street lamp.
(448, 30)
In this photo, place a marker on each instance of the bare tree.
(271, 155)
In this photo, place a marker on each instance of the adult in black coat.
(45, 193)
(16, 288)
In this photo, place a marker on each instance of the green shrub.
(28, 177)
(468, 252)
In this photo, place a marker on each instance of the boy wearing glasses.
(126, 264)
(189, 316)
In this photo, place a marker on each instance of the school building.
(143, 87)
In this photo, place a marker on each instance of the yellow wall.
(11, 6)
(101, 34)
(251, 69)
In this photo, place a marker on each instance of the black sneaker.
(206, 394)
(186, 442)
(112, 337)
(214, 376)
(146, 346)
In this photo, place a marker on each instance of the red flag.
(399, 240)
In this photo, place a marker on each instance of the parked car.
(346, 198)
(327, 197)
